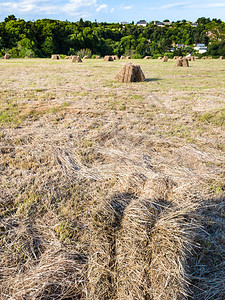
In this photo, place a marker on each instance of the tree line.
(41, 38)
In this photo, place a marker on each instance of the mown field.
(111, 190)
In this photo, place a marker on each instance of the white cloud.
(183, 5)
(112, 10)
(84, 8)
(101, 7)
(209, 5)
(128, 7)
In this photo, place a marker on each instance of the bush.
(136, 56)
(84, 52)
(94, 56)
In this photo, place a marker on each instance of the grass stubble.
(111, 190)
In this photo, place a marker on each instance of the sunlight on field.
(90, 165)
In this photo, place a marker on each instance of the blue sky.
(113, 11)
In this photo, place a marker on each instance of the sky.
(113, 11)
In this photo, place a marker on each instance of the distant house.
(142, 23)
(124, 23)
(162, 24)
(194, 24)
(200, 48)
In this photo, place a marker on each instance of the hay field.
(111, 190)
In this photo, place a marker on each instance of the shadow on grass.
(152, 79)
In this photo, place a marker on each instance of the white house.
(200, 48)
(142, 23)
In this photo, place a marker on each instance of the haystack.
(115, 57)
(55, 57)
(221, 57)
(165, 59)
(128, 57)
(147, 57)
(122, 57)
(160, 57)
(175, 57)
(130, 73)
(108, 58)
(76, 59)
(68, 57)
(204, 57)
(210, 57)
(6, 56)
(98, 57)
(86, 57)
(182, 62)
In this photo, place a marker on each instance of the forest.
(41, 38)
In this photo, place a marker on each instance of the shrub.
(136, 56)
(84, 52)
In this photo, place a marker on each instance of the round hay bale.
(108, 58)
(130, 73)
(55, 57)
(98, 57)
(128, 57)
(122, 57)
(76, 59)
(26, 57)
(6, 56)
(204, 57)
(160, 57)
(182, 62)
(86, 57)
(175, 57)
(221, 57)
(179, 62)
(115, 57)
(165, 59)
(147, 57)
(210, 57)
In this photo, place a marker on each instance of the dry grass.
(111, 190)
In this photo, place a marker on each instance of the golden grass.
(111, 190)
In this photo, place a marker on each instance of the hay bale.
(182, 62)
(175, 57)
(108, 58)
(130, 73)
(165, 59)
(68, 57)
(204, 57)
(98, 57)
(26, 57)
(221, 57)
(179, 62)
(55, 57)
(128, 57)
(115, 57)
(210, 57)
(147, 57)
(6, 56)
(76, 59)
(122, 57)
(86, 57)
(160, 57)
